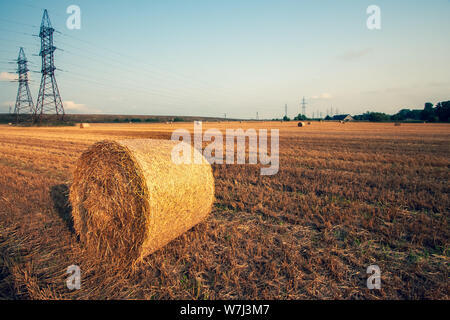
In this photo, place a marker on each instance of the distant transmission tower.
(49, 99)
(24, 102)
(285, 110)
(257, 115)
(304, 106)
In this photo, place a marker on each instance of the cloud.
(323, 96)
(352, 55)
(6, 76)
(72, 107)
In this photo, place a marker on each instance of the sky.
(234, 57)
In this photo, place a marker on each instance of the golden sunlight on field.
(346, 196)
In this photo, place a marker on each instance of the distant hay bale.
(301, 124)
(309, 122)
(129, 198)
(397, 124)
(9, 124)
(84, 125)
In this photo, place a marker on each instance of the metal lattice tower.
(24, 102)
(304, 106)
(49, 99)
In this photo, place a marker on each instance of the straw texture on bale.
(84, 125)
(129, 199)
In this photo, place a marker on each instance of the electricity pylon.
(24, 102)
(49, 99)
(304, 106)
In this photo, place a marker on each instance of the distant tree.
(427, 113)
(407, 114)
(442, 111)
(401, 115)
(378, 117)
(415, 114)
(286, 118)
(328, 118)
(373, 117)
(178, 119)
(362, 117)
(300, 117)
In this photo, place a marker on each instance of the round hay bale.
(397, 124)
(84, 125)
(129, 198)
(301, 124)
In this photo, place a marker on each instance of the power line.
(163, 77)
(19, 23)
(158, 75)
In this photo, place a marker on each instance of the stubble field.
(346, 196)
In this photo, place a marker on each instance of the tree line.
(430, 113)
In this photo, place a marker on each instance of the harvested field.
(345, 197)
